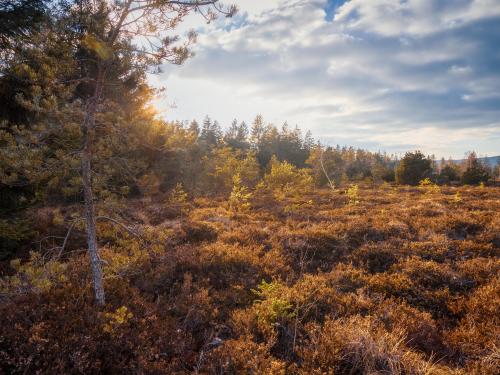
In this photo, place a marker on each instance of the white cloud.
(460, 70)
(414, 17)
(384, 74)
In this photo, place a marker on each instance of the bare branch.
(66, 238)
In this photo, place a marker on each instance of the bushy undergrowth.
(384, 281)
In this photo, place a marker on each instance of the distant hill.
(489, 160)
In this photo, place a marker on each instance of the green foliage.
(225, 163)
(240, 196)
(286, 180)
(211, 134)
(236, 136)
(114, 320)
(475, 172)
(427, 186)
(348, 164)
(450, 173)
(413, 168)
(178, 195)
(272, 304)
(34, 276)
(285, 144)
(457, 198)
(353, 195)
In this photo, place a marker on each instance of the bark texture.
(88, 136)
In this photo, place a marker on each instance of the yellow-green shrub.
(286, 180)
(353, 194)
(36, 275)
(240, 196)
(115, 319)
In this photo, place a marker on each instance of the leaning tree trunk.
(88, 135)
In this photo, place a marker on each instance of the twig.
(68, 233)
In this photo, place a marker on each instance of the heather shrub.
(347, 278)
(477, 271)
(247, 235)
(34, 276)
(396, 284)
(462, 228)
(429, 274)
(375, 258)
(359, 345)
(243, 356)
(62, 332)
(13, 233)
(316, 297)
(198, 231)
(392, 284)
(421, 331)
(312, 248)
(438, 248)
(478, 334)
(232, 265)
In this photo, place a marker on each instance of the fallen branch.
(132, 232)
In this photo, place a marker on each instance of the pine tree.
(236, 135)
(242, 132)
(475, 171)
(98, 39)
(257, 132)
(308, 141)
(19, 20)
(194, 128)
(413, 168)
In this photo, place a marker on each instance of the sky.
(388, 75)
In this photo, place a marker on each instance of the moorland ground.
(386, 279)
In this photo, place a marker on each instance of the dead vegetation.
(400, 282)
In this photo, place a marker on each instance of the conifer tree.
(194, 128)
(475, 171)
(413, 168)
(257, 132)
(107, 43)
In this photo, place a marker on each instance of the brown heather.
(392, 281)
